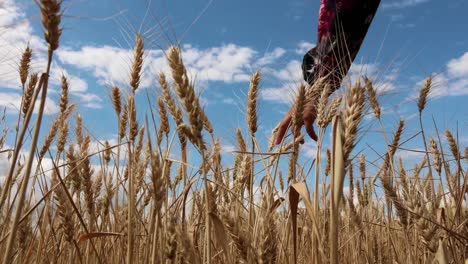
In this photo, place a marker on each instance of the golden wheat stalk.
(252, 102)
(372, 94)
(135, 75)
(322, 104)
(423, 93)
(164, 127)
(24, 65)
(51, 18)
(28, 93)
(64, 95)
(352, 118)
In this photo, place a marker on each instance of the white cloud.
(90, 100)
(292, 71)
(310, 148)
(271, 57)
(98, 145)
(228, 148)
(229, 101)
(107, 63)
(76, 85)
(358, 70)
(5, 163)
(16, 33)
(284, 94)
(303, 47)
(12, 101)
(406, 25)
(407, 155)
(458, 67)
(452, 82)
(15, 29)
(383, 78)
(396, 17)
(346, 193)
(396, 4)
(227, 63)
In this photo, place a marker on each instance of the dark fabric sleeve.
(342, 27)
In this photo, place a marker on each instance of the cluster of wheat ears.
(132, 202)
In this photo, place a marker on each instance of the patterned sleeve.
(342, 25)
(327, 14)
(354, 15)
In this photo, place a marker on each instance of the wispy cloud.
(111, 65)
(413, 154)
(292, 71)
(229, 101)
(16, 34)
(452, 82)
(458, 67)
(284, 94)
(228, 63)
(358, 70)
(228, 148)
(107, 63)
(271, 57)
(303, 47)
(90, 100)
(396, 4)
(12, 102)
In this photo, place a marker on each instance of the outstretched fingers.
(282, 128)
(309, 125)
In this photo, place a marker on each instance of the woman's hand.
(309, 115)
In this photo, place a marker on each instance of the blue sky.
(224, 42)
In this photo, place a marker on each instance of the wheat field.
(137, 202)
